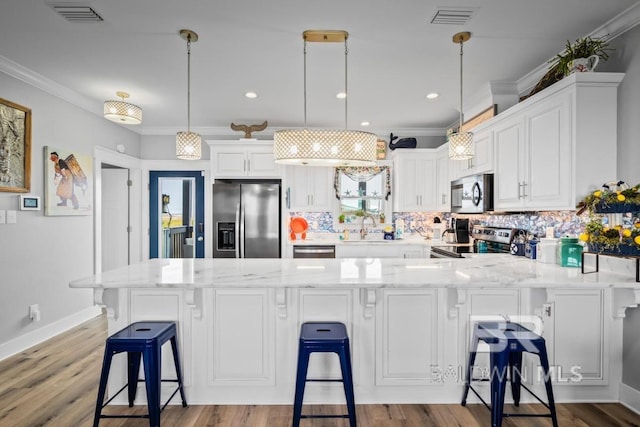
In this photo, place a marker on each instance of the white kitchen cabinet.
(577, 340)
(482, 160)
(240, 317)
(534, 157)
(415, 180)
(404, 358)
(557, 146)
(309, 188)
(240, 159)
(443, 179)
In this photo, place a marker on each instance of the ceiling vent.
(453, 15)
(74, 12)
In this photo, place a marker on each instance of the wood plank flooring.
(55, 384)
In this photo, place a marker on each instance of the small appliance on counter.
(461, 227)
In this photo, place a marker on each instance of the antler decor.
(248, 129)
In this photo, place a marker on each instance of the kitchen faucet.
(363, 230)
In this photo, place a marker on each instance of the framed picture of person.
(15, 147)
(67, 182)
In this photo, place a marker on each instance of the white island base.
(408, 322)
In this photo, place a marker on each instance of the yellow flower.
(637, 224)
(597, 193)
(584, 237)
(637, 240)
(621, 197)
(618, 227)
(626, 232)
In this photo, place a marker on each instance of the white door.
(115, 217)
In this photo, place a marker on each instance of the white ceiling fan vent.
(74, 12)
(453, 15)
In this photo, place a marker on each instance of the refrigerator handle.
(241, 231)
(237, 228)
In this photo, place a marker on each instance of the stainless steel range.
(497, 239)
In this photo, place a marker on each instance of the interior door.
(115, 217)
(194, 229)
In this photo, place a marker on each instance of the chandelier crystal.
(188, 144)
(324, 147)
(461, 145)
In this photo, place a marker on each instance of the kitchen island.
(408, 320)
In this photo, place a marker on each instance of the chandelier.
(324, 147)
(461, 143)
(122, 111)
(188, 144)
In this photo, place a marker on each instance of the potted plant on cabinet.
(564, 62)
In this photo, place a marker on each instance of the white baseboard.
(630, 397)
(32, 338)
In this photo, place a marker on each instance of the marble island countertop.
(477, 271)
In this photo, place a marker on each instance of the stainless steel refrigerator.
(246, 217)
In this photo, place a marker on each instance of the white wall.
(626, 58)
(40, 254)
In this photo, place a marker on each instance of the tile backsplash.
(563, 222)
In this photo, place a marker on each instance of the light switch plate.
(12, 217)
(3, 217)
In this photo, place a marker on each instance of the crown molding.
(45, 84)
(610, 30)
(268, 133)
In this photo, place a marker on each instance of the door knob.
(200, 239)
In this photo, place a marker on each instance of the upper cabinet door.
(415, 182)
(549, 179)
(510, 155)
(309, 188)
(243, 159)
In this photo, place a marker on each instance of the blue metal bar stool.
(141, 340)
(326, 337)
(507, 341)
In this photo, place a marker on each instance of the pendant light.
(461, 143)
(188, 144)
(324, 147)
(122, 111)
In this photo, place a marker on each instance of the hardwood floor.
(55, 384)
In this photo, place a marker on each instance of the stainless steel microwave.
(472, 194)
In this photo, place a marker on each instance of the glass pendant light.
(461, 143)
(188, 144)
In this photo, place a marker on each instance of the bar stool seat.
(507, 341)
(326, 337)
(141, 340)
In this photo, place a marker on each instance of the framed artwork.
(68, 189)
(15, 147)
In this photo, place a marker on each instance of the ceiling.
(396, 56)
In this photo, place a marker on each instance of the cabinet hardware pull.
(547, 310)
(524, 189)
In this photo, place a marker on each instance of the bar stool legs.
(325, 337)
(507, 341)
(142, 341)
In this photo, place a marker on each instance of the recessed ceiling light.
(251, 95)
(432, 95)
(365, 124)
(341, 95)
